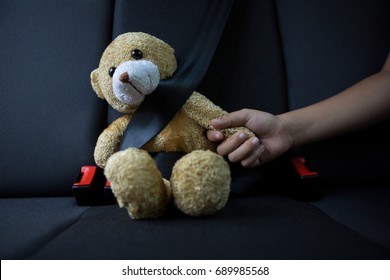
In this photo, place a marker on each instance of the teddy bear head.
(130, 68)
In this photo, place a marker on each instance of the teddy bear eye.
(136, 54)
(111, 71)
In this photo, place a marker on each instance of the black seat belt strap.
(160, 107)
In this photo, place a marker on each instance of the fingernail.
(242, 136)
(255, 140)
(215, 121)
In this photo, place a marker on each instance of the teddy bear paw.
(137, 183)
(200, 183)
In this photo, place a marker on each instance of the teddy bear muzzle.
(133, 80)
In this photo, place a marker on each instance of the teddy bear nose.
(124, 77)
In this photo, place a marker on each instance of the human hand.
(271, 138)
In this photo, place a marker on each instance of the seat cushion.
(27, 224)
(364, 210)
(270, 226)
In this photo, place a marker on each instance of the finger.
(214, 135)
(255, 158)
(247, 151)
(231, 144)
(237, 118)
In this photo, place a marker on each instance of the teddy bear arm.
(109, 140)
(202, 110)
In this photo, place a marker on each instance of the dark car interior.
(273, 55)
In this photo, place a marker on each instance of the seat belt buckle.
(89, 188)
(305, 180)
(108, 194)
(299, 164)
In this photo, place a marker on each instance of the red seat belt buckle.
(108, 194)
(89, 187)
(303, 171)
(304, 185)
(87, 175)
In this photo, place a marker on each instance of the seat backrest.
(50, 116)
(327, 47)
(247, 68)
(273, 56)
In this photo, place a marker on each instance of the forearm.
(357, 107)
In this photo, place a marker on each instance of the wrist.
(286, 130)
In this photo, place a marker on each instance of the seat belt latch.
(305, 182)
(300, 167)
(108, 194)
(90, 189)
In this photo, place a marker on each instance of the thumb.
(237, 118)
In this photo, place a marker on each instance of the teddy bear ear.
(95, 84)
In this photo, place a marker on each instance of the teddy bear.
(131, 68)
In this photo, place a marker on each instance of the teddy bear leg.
(137, 183)
(200, 183)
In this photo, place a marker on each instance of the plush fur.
(129, 70)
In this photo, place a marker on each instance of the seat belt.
(160, 107)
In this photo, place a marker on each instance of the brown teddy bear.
(131, 68)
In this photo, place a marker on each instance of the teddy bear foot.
(200, 183)
(137, 183)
